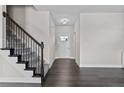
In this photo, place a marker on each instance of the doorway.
(65, 42)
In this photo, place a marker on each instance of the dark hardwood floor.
(65, 73)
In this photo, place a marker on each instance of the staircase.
(23, 46)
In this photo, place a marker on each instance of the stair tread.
(5, 48)
(30, 68)
(37, 75)
(21, 62)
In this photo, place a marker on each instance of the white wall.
(1, 29)
(101, 39)
(77, 41)
(37, 24)
(52, 41)
(2, 8)
(17, 12)
(65, 49)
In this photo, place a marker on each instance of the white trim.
(51, 63)
(102, 66)
(100, 13)
(64, 57)
(20, 80)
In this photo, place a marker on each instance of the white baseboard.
(64, 57)
(20, 80)
(51, 63)
(102, 66)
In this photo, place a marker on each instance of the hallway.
(65, 73)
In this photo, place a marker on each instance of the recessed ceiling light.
(64, 20)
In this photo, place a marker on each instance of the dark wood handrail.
(6, 15)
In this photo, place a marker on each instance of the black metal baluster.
(34, 55)
(3, 22)
(38, 60)
(23, 47)
(4, 19)
(12, 35)
(31, 53)
(21, 43)
(7, 35)
(11, 32)
(28, 47)
(16, 40)
(42, 64)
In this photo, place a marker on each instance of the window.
(63, 38)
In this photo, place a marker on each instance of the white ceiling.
(72, 11)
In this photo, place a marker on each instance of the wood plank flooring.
(65, 73)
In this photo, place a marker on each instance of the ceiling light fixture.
(64, 21)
